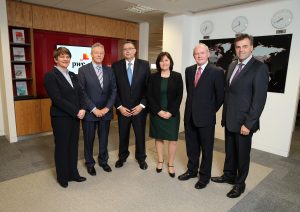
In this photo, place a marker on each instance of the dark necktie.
(129, 73)
(198, 75)
(240, 66)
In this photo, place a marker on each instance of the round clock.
(282, 18)
(206, 27)
(239, 24)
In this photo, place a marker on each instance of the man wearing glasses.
(132, 75)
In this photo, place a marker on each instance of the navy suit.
(202, 103)
(97, 97)
(130, 96)
(66, 101)
(244, 101)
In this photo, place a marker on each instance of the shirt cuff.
(143, 106)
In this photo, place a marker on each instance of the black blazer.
(131, 96)
(245, 98)
(204, 101)
(174, 93)
(66, 101)
(95, 95)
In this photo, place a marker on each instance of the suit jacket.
(66, 100)
(131, 96)
(204, 101)
(174, 93)
(245, 98)
(96, 95)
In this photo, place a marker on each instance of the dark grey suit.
(202, 103)
(97, 97)
(244, 101)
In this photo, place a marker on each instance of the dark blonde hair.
(243, 36)
(60, 51)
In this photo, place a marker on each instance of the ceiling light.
(139, 9)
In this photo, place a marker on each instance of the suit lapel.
(135, 71)
(244, 70)
(93, 74)
(230, 71)
(62, 78)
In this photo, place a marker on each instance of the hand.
(245, 130)
(125, 111)
(136, 110)
(81, 114)
(97, 112)
(103, 111)
(164, 114)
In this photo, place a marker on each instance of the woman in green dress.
(164, 95)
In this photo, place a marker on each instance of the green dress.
(164, 129)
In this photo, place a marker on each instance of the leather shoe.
(171, 174)
(63, 184)
(157, 169)
(222, 179)
(119, 163)
(78, 179)
(236, 191)
(106, 167)
(143, 165)
(91, 170)
(200, 185)
(187, 175)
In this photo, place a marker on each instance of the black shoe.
(222, 179)
(157, 169)
(91, 170)
(143, 165)
(119, 163)
(170, 173)
(78, 179)
(236, 191)
(200, 185)
(187, 175)
(106, 167)
(63, 184)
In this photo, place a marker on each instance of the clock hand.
(280, 19)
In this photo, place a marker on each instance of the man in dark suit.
(99, 83)
(205, 95)
(245, 97)
(132, 75)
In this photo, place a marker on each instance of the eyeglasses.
(128, 49)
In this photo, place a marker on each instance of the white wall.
(7, 112)
(278, 118)
(143, 40)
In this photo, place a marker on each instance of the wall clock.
(206, 27)
(282, 18)
(239, 24)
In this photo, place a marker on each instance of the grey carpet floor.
(126, 189)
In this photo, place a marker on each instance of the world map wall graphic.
(273, 50)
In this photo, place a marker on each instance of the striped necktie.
(198, 75)
(100, 75)
(240, 66)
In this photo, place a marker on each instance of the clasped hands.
(244, 130)
(164, 114)
(81, 114)
(100, 112)
(133, 112)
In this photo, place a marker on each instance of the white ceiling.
(116, 9)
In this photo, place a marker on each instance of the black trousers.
(237, 159)
(66, 135)
(199, 139)
(89, 131)
(138, 123)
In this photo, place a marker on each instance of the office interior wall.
(278, 118)
(7, 120)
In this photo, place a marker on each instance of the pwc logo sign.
(80, 56)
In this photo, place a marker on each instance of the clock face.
(239, 24)
(206, 27)
(282, 18)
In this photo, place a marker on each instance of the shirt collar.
(95, 65)
(132, 62)
(63, 71)
(246, 60)
(202, 66)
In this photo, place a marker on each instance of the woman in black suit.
(67, 109)
(164, 94)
